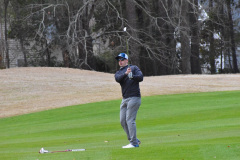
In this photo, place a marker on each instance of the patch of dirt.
(27, 90)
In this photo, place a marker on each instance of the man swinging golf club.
(129, 77)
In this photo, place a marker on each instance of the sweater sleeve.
(119, 76)
(137, 74)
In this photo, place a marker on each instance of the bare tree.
(163, 26)
(77, 45)
(6, 2)
(212, 53)
(133, 31)
(170, 40)
(88, 47)
(194, 24)
(185, 38)
(1, 40)
(154, 28)
(234, 57)
(18, 28)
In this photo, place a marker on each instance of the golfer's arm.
(138, 76)
(119, 77)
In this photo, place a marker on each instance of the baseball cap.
(122, 55)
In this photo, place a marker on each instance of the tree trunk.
(195, 63)
(6, 2)
(164, 65)
(185, 42)
(133, 27)
(234, 57)
(211, 41)
(48, 55)
(66, 58)
(222, 30)
(229, 59)
(1, 45)
(170, 40)
(24, 52)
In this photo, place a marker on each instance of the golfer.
(129, 77)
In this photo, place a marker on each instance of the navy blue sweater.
(130, 87)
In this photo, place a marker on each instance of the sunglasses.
(121, 59)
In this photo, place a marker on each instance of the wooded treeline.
(164, 36)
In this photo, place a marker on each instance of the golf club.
(130, 74)
(42, 150)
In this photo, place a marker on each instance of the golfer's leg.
(123, 111)
(132, 109)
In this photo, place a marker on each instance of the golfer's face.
(123, 63)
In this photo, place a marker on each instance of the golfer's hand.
(128, 71)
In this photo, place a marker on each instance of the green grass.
(198, 126)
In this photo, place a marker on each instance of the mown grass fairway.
(199, 126)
